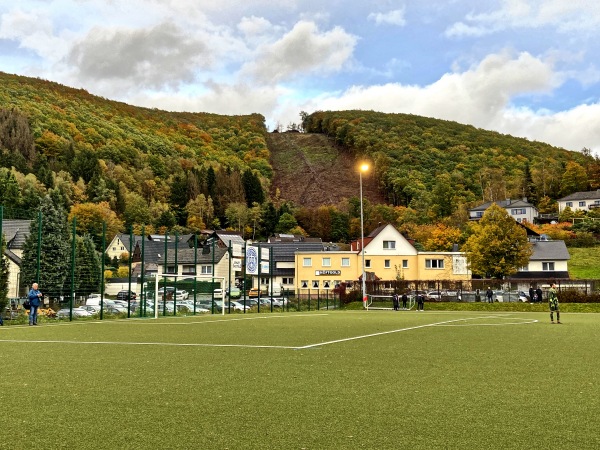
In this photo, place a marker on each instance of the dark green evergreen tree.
(87, 267)
(252, 188)
(269, 219)
(55, 254)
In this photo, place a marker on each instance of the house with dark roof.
(15, 232)
(549, 260)
(520, 209)
(580, 201)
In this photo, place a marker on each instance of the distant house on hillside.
(520, 209)
(580, 201)
(15, 232)
(549, 259)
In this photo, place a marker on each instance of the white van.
(218, 293)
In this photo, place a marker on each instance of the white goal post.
(174, 278)
(390, 298)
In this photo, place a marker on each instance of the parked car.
(91, 309)
(125, 294)
(523, 297)
(237, 306)
(77, 312)
(218, 293)
(434, 295)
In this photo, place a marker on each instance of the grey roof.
(285, 251)
(588, 195)
(550, 251)
(16, 232)
(508, 203)
(226, 236)
(186, 255)
(14, 258)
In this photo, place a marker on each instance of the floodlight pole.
(363, 168)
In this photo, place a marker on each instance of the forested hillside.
(435, 166)
(146, 164)
(131, 166)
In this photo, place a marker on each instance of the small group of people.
(396, 301)
(535, 295)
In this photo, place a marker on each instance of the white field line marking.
(337, 341)
(165, 344)
(148, 321)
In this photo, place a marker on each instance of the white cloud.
(564, 16)
(482, 96)
(395, 17)
(303, 50)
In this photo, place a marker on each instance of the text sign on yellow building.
(327, 272)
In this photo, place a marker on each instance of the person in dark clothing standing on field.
(404, 300)
(396, 302)
(489, 294)
(538, 294)
(420, 302)
(531, 294)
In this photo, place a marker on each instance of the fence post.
(102, 268)
(143, 295)
(39, 252)
(73, 248)
(129, 276)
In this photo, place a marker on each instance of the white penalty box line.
(454, 322)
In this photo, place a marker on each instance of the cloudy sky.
(528, 68)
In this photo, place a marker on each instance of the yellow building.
(387, 256)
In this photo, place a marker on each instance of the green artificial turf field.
(318, 380)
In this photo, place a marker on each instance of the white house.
(520, 209)
(580, 201)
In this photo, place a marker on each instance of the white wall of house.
(578, 205)
(389, 237)
(548, 266)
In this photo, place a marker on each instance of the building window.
(434, 263)
(307, 262)
(206, 270)
(570, 204)
(315, 284)
(345, 262)
(287, 280)
(189, 269)
(368, 263)
(264, 280)
(326, 262)
(405, 263)
(389, 245)
(548, 266)
(171, 269)
(517, 211)
(479, 214)
(326, 284)
(387, 263)
(581, 203)
(304, 284)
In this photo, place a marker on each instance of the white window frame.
(405, 263)
(345, 262)
(437, 264)
(548, 266)
(389, 245)
(206, 269)
(326, 262)
(306, 262)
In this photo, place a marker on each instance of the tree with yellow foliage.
(498, 245)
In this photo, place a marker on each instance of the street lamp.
(363, 168)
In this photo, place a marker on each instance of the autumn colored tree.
(498, 245)
(443, 238)
(90, 217)
(574, 179)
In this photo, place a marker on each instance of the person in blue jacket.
(35, 298)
